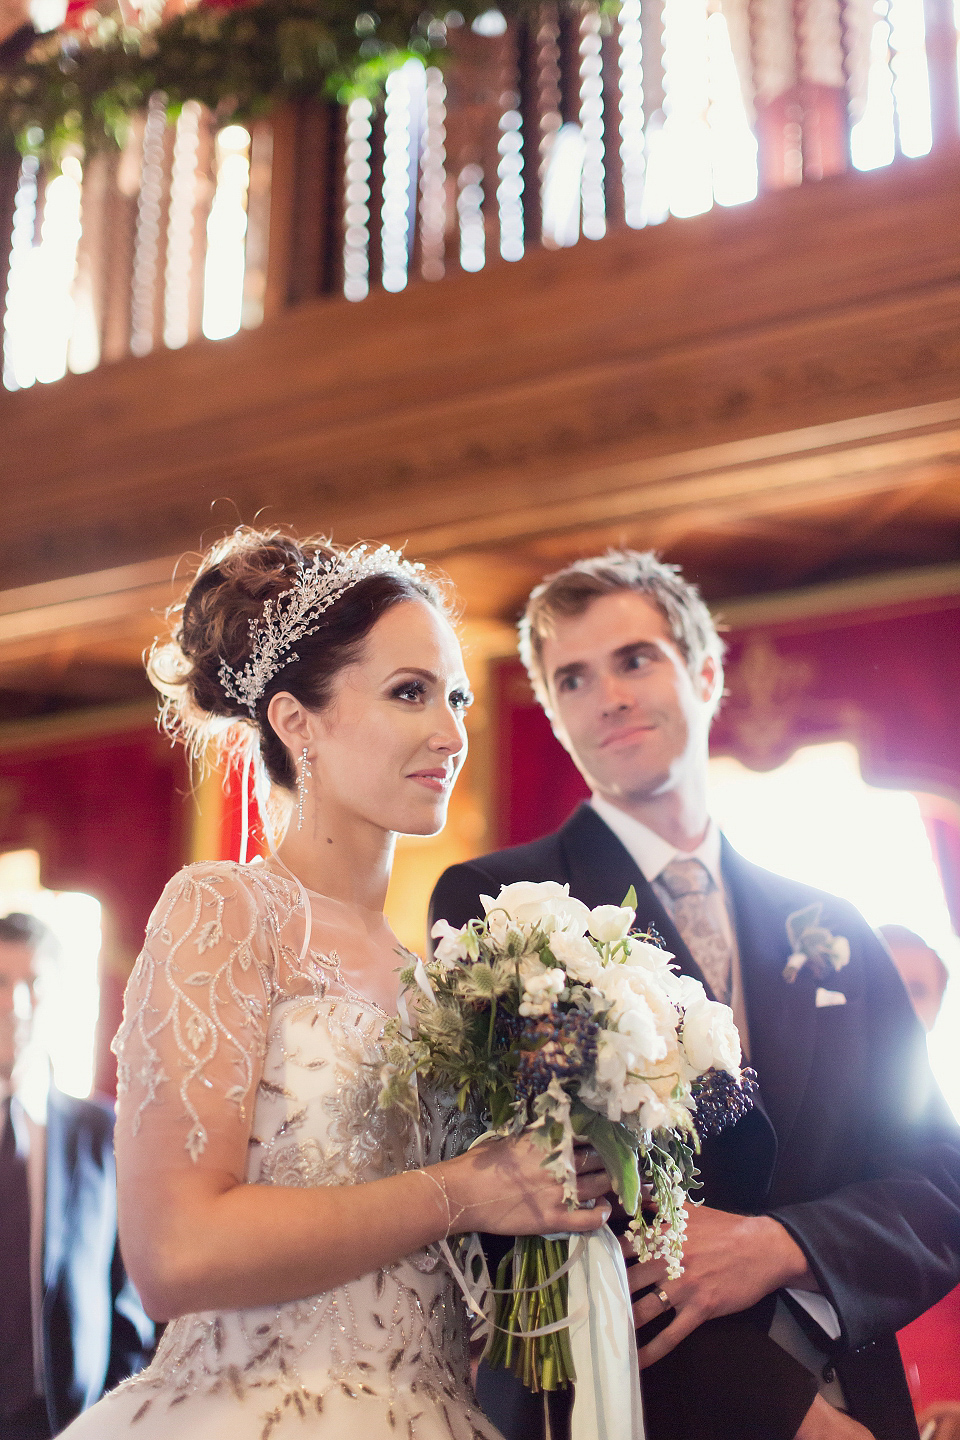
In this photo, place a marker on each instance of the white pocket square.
(830, 997)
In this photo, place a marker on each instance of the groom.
(831, 1214)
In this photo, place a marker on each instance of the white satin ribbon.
(606, 1399)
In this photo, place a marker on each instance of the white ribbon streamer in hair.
(261, 793)
(245, 805)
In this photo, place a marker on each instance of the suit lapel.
(601, 871)
(781, 1017)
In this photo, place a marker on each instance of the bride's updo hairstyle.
(235, 579)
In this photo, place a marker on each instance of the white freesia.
(451, 944)
(710, 1037)
(609, 923)
(540, 990)
(576, 955)
(528, 903)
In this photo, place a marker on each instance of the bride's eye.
(461, 699)
(411, 690)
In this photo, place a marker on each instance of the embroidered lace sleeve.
(190, 1049)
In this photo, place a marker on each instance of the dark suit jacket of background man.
(95, 1331)
(851, 1146)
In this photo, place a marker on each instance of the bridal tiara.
(289, 616)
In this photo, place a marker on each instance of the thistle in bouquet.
(549, 1017)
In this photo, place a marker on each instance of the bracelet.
(443, 1191)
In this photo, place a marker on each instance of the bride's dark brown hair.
(212, 626)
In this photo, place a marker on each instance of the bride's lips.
(436, 780)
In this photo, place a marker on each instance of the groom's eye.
(570, 682)
(639, 659)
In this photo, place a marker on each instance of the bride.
(282, 1222)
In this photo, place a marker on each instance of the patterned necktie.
(695, 905)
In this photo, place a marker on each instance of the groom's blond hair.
(573, 590)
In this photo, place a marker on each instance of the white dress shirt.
(652, 854)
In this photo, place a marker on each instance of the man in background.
(832, 1210)
(71, 1324)
(921, 970)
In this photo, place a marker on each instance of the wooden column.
(316, 222)
(942, 66)
(9, 178)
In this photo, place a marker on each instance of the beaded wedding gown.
(229, 1012)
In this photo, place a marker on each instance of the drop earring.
(305, 773)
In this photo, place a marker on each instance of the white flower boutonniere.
(812, 942)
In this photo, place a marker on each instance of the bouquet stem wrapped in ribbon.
(552, 1018)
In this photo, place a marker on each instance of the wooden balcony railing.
(536, 132)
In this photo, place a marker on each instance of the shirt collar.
(651, 853)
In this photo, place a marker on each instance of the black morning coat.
(95, 1331)
(851, 1147)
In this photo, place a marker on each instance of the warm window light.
(226, 236)
(817, 821)
(685, 138)
(403, 110)
(510, 189)
(40, 310)
(356, 213)
(69, 993)
(470, 216)
(733, 146)
(561, 187)
(898, 88)
(632, 139)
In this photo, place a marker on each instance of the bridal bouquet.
(554, 1018)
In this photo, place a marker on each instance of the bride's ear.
(291, 721)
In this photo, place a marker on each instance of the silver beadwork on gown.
(223, 1016)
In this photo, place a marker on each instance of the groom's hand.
(729, 1263)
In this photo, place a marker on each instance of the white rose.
(576, 955)
(650, 956)
(527, 903)
(690, 992)
(609, 923)
(571, 915)
(636, 1020)
(451, 946)
(710, 1038)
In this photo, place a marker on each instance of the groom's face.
(624, 702)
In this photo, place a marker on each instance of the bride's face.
(389, 744)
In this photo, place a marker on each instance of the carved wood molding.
(733, 365)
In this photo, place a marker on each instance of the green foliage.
(617, 1148)
(81, 89)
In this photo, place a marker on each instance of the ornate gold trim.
(76, 725)
(843, 597)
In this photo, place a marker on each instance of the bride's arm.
(204, 1241)
(194, 1235)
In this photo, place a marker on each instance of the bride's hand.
(501, 1187)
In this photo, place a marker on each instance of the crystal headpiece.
(291, 615)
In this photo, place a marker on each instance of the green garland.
(72, 89)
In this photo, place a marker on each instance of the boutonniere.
(813, 943)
